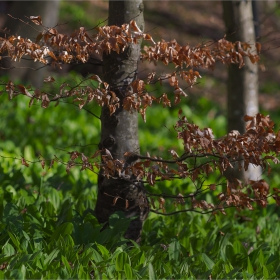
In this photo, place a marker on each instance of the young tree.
(119, 131)
(123, 169)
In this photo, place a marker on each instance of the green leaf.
(104, 252)
(217, 268)
(51, 257)
(48, 209)
(265, 272)
(16, 274)
(23, 271)
(105, 237)
(66, 263)
(128, 271)
(228, 267)
(53, 197)
(39, 261)
(184, 268)
(82, 274)
(66, 214)
(14, 240)
(35, 214)
(174, 250)
(63, 229)
(68, 241)
(121, 259)
(26, 236)
(142, 259)
(249, 266)
(8, 250)
(86, 256)
(261, 258)
(209, 263)
(63, 273)
(96, 256)
(151, 272)
(25, 258)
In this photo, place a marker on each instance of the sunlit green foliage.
(50, 232)
(48, 228)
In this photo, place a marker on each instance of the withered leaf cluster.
(55, 49)
(204, 154)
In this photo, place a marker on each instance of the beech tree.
(119, 126)
(123, 170)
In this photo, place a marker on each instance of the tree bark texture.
(119, 131)
(48, 10)
(242, 84)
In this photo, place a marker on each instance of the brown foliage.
(203, 154)
(55, 49)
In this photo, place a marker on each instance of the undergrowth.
(47, 224)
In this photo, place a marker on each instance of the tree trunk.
(119, 132)
(242, 84)
(48, 10)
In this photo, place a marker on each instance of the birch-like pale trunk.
(242, 84)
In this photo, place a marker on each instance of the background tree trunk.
(242, 84)
(48, 10)
(119, 132)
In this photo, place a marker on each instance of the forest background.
(239, 245)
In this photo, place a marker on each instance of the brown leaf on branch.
(23, 162)
(108, 154)
(51, 163)
(74, 155)
(258, 47)
(95, 78)
(52, 55)
(84, 158)
(10, 89)
(70, 164)
(45, 101)
(36, 19)
(24, 91)
(126, 204)
(115, 200)
(49, 79)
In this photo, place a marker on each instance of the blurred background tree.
(20, 11)
(242, 83)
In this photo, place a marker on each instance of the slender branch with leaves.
(203, 154)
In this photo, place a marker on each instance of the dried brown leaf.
(36, 19)
(23, 162)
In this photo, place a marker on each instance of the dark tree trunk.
(242, 84)
(119, 132)
(48, 10)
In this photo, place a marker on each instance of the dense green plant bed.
(51, 232)
(47, 225)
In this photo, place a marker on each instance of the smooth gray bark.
(48, 10)
(119, 132)
(242, 84)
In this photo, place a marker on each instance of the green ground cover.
(47, 225)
